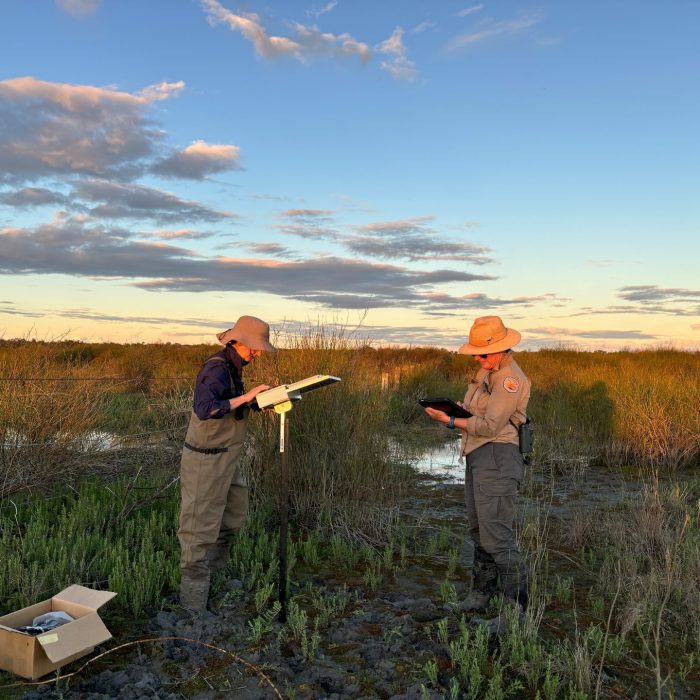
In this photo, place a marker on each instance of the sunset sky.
(168, 165)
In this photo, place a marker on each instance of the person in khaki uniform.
(497, 398)
(214, 496)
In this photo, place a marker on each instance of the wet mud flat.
(364, 636)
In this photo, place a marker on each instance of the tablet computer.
(450, 407)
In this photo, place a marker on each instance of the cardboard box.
(35, 656)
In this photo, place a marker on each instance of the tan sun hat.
(489, 335)
(250, 331)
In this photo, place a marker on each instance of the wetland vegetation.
(609, 520)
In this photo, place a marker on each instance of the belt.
(206, 451)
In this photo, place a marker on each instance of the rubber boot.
(498, 626)
(194, 594)
(475, 601)
(484, 585)
(218, 556)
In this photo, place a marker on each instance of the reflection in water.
(93, 441)
(441, 462)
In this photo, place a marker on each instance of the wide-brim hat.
(488, 334)
(251, 331)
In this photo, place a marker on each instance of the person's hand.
(250, 395)
(439, 416)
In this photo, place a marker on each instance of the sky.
(397, 169)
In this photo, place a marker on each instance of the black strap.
(206, 451)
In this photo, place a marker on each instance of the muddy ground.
(375, 648)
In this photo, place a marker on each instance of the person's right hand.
(250, 395)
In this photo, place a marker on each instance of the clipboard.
(450, 407)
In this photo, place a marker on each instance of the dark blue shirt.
(217, 382)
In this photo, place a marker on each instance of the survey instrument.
(281, 398)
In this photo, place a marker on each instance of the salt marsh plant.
(78, 536)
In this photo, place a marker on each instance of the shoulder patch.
(511, 384)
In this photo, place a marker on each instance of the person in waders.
(214, 495)
(497, 398)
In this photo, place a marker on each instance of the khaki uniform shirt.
(495, 398)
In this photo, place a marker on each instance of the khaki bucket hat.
(489, 335)
(250, 331)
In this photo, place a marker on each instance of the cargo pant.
(493, 474)
(214, 495)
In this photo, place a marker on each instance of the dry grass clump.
(48, 423)
(342, 477)
(644, 556)
(634, 408)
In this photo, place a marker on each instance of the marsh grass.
(47, 544)
(633, 587)
(343, 478)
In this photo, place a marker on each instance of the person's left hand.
(439, 416)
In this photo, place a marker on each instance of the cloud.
(10, 309)
(87, 314)
(608, 334)
(248, 24)
(315, 42)
(653, 293)
(490, 29)
(599, 263)
(161, 91)
(307, 214)
(274, 249)
(198, 160)
(398, 64)
(404, 239)
(651, 299)
(308, 223)
(423, 27)
(176, 234)
(327, 281)
(442, 304)
(55, 128)
(411, 239)
(470, 10)
(325, 9)
(131, 201)
(28, 197)
(72, 247)
(78, 8)
(307, 42)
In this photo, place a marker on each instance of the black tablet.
(450, 407)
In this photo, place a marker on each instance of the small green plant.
(453, 559)
(448, 593)
(309, 644)
(430, 668)
(441, 631)
(689, 663)
(444, 539)
(310, 550)
(562, 588)
(392, 634)
(257, 629)
(263, 595)
(296, 620)
(388, 555)
(373, 574)
(598, 606)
